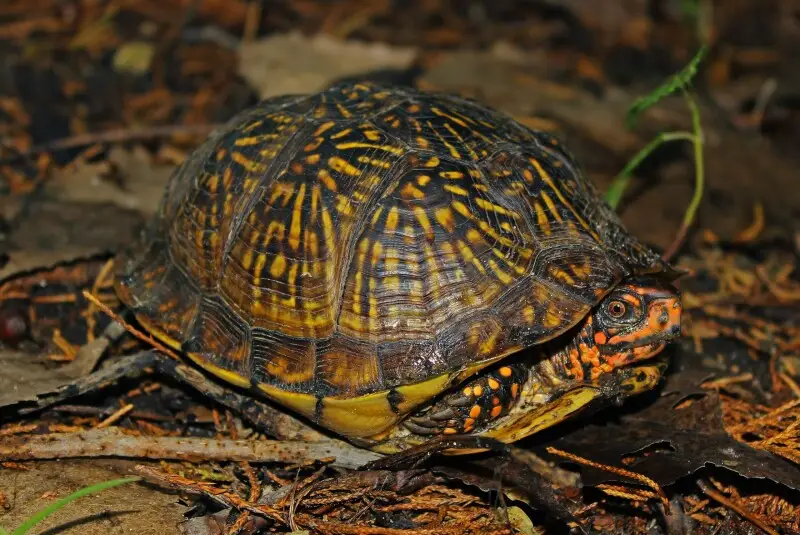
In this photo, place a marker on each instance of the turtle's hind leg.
(474, 405)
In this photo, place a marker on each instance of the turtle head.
(635, 321)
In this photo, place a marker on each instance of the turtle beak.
(663, 320)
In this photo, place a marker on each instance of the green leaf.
(690, 8)
(678, 82)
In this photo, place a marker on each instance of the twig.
(209, 489)
(104, 412)
(783, 294)
(252, 20)
(130, 328)
(15, 429)
(348, 529)
(793, 386)
(755, 228)
(615, 470)
(112, 136)
(115, 417)
(634, 495)
(718, 384)
(113, 443)
(768, 89)
(744, 513)
(313, 522)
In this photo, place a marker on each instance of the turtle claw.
(419, 428)
(460, 400)
(443, 415)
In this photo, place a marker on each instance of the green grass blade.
(620, 182)
(677, 82)
(58, 504)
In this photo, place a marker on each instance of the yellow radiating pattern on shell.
(354, 253)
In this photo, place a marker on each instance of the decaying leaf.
(291, 63)
(20, 262)
(521, 522)
(24, 377)
(141, 181)
(134, 57)
(60, 324)
(679, 433)
(59, 228)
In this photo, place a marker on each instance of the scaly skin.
(633, 323)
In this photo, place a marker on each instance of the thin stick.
(115, 417)
(112, 136)
(316, 524)
(744, 513)
(128, 327)
(209, 489)
(113, 443)
(252, 20)
(641, 478)
(790, 383)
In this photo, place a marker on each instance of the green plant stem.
(620, 182)
(55, 506)
(699, 179)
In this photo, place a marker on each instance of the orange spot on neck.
(600, 338)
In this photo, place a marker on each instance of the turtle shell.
(354, 252)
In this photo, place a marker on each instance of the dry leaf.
(292, 63)
(143, 181)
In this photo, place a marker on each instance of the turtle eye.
(616, 309)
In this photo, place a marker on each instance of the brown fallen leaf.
(143, 181)
(292, 63)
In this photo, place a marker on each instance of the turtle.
(396, 265)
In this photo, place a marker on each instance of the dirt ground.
(135, 509)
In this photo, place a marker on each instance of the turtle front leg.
(473, 406)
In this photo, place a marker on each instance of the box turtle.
(395, 265)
